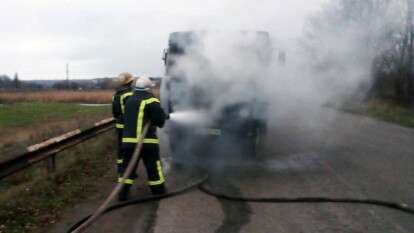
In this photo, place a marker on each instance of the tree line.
(372, 38)
(7, 83)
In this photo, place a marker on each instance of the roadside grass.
(62, 96)
(19, 114)
(31, 200)
(383, 110)
(23, 124)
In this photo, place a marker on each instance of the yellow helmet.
(125, 78)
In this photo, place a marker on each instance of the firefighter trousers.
(151, 157)
(119, 159)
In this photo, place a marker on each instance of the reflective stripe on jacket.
(140, 108)
(118, 104)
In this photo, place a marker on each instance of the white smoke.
(329, 67)
(225, 68)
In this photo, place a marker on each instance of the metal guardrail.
(49, 148)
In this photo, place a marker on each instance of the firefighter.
(118, 109)
(141, 108)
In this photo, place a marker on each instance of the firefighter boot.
(123, 195)
(158, 189)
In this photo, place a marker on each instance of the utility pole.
(67, 75)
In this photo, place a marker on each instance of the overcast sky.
(106, 37)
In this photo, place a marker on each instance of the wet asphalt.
(339, 155)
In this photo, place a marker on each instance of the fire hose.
(101, 209)
(82, 224)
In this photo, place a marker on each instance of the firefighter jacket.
(140, 108)
(118, 104)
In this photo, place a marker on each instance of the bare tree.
(380, 31)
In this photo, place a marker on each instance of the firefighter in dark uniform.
(143, 107)
(118, 109)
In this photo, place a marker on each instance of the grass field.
(62, 96)
(23, 124)
(20, 114)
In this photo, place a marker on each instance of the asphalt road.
(331, 155)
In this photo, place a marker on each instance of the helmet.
(143, 83)
(125, 78)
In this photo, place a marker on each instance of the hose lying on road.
(142, 200)
(200, 184)
(393, 205)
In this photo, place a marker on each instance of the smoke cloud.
(330, 64)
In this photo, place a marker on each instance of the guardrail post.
(51, 164)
